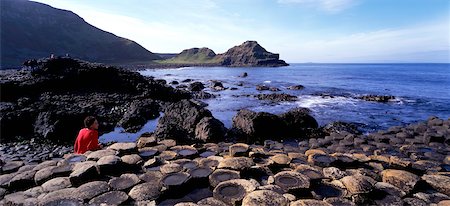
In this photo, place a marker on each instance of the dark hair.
(88, 121)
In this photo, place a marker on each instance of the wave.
(311, 101)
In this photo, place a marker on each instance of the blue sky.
(329, 31)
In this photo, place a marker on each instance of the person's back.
(87, 139)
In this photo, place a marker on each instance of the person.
(87, 139)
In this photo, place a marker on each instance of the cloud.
(330, 6)
(418, 43)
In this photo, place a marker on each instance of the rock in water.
(250, 53)
(258, 126)
(180, 121)
(298, 120)
(210, 129)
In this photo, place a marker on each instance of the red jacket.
(87, 140)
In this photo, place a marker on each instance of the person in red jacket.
(87, 139)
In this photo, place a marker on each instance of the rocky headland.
(248, 54)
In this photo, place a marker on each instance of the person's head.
(91, 122)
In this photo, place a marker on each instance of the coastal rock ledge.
(408, 165)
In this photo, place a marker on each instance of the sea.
(330, 92)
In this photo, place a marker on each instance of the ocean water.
(421, 90)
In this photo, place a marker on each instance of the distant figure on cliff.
(87, 139)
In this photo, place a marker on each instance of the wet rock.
(138, 113)
(236, 163)
(218, 86)
(377, 98)
(277, 97)
(264, 198)
(440, 183)
(402, 179)
(124, 182)
(110, 198)
(210, 129)
(56, 184)
(258, 126)
(196, 86)
(262, 87)
(358, 184)
(175, 180)
(325, 189)
(233, 191)
(91, 189)
(221, 175)
(185, 151)
(243, 75)
(296, 87)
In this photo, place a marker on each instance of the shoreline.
(402, 165)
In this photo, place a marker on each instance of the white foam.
(310, 101)
(267, 82)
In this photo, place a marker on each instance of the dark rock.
(217, 85)
(298, 121)
(196, 86)
(110, 165)
(110, 198)
(377, 98)
(262, 87)
(338, 127)
(243, 75)
(258, 126)
(22, 180)
(138, 113)
(180, 121)
(84, 172)
(124, 148)
(250, 53)
(210, 129)
(91, 189)
(277, 97)
(296, 87)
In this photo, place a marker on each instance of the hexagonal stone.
(402, 179)
(221, 175)
(185, 151)
(440, 183)
(236, 163)
(233, 191)
(22, 180)
(291, 180)
(124, 148)
(34, 192)
(91, 189)
(358, 184)
(50, 172)
(146, 141)
(211, 201)
(96, 155)
(281, 159)
(125, 181)
(312, 172)
(145, 191)
(56, 184)
(58, 195)
(151, 176)
(322, 160)
(110, 164)
(390, 189)
(170, 168)
(17, 198)
(333, 173)
(110, 198)
(84, 172)
(132, 159)
(45, 164)
(309, 202)
(11, 166)
(239, 150)
(264, 198)
(4, 179)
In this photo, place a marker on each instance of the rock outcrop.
(51, 99)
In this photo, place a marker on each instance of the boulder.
(258, 126)
(180, 121)
(196, 86)
(296, 87)
(298, 120)
(277, 97)
(210, 129)
(138, 113)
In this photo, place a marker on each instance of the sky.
(320, 31)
